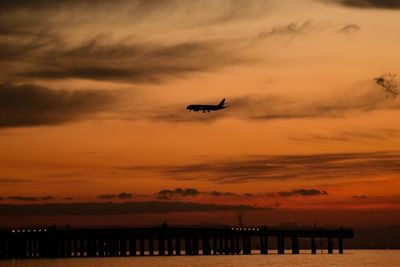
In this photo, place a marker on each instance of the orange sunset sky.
(92, 112)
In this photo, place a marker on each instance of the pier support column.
(233, 245)
(101, 248)
(214, 246)
(195, 245)
(132, 246)
(238, 249)
(188, 246)
(123, 247)
(221, 245)
(92, 248)
(330, 246)
(264, 244)
(82, 248)
(340, 241)
(151, 246)
(206, 245)
(61, 246)
(177, 245)
(281, 245)
(313, 246)
(170, 246)
(68, 250)
(161, 245)
(295, 245)
(226, 246)
(246, 244)
(141, 246)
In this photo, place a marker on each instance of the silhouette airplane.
(207, 108)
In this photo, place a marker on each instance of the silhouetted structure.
(59, 243)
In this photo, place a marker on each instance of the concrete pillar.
(132, 246)
(141, 246)
(178, 245)
(161, 245)
(101, 248)
(206, 245)
(233, 245)
(170, 247)
(264, 244)
(226, 245)
(61, 246)
(281, 245)
(82, 248)
(112, 248)
(123, 247)
(188, 246)
(92, 248)
(313, 246)
(196, 245)
(295, 245)
(330, 245)
(246, 244)
(151, 246)
(68, 248)
(214, 245)
(340, 241)
(238, 249)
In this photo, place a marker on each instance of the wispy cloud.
(7, 180)
(389, 4)
(129, 61)
(350, 28)
(349, 136)
(290, 29)
(282, 168)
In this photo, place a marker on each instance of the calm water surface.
(364, 258)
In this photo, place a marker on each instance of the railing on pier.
(59, 243)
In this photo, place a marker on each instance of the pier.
(165, 241)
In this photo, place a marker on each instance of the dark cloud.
(117, 208)
(294, 28)
(303, 192)
(31, 198)
(389, 4)
(389, 84)
(216, 11)
(126, 61)
(350, 28)
(122, 195)
(178, 192)
(191, 192)
(30, 105)
(293, 167)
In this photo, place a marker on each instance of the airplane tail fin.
(222, 103)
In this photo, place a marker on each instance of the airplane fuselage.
(203, 107)
(207, 108)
